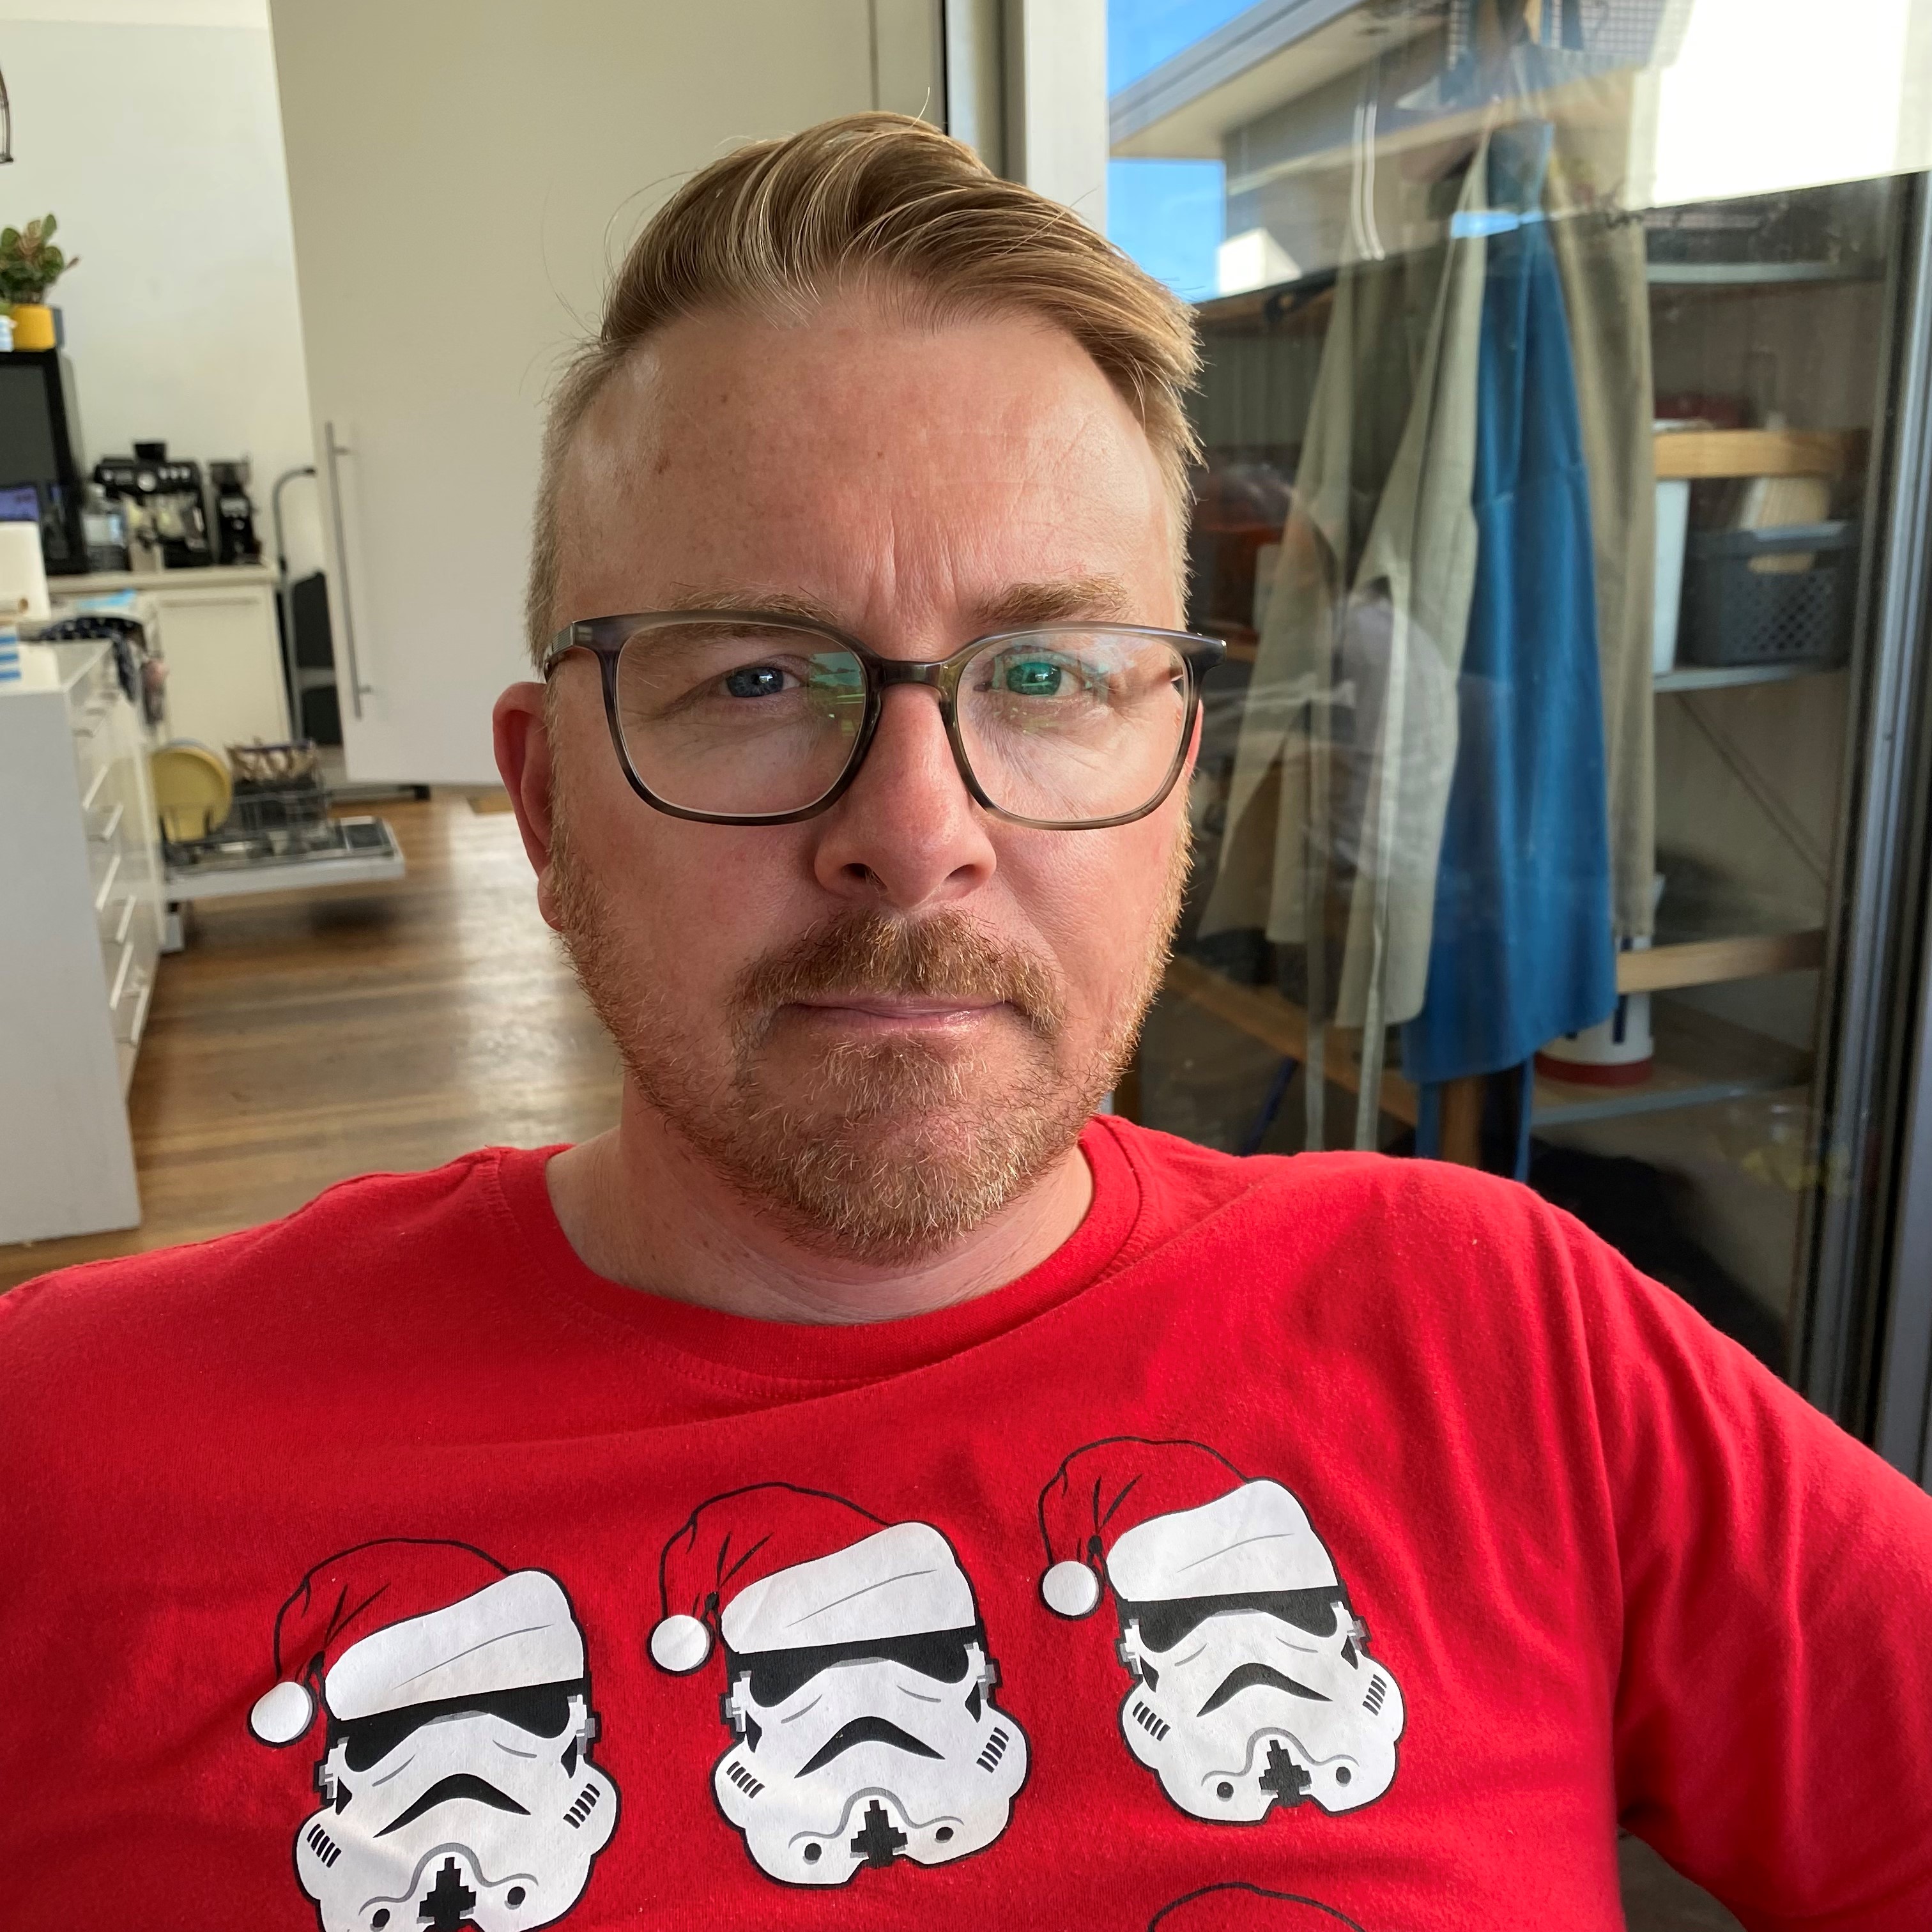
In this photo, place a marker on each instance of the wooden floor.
(305, 1037)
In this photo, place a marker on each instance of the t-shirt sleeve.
(1774, 1719)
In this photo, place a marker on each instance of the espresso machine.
(164, 503)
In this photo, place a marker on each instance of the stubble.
(881, 1151)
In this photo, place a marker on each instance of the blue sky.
(1166, 214)
(1141, 34)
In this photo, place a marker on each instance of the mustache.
(945, 955)
(446, 1790)
(1247, 1676)
(864, 1731)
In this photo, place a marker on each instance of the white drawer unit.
(81, 887)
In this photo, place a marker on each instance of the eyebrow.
(807, 610)
(1102, 597)
(1055, 600)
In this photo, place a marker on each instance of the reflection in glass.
(1542, 390)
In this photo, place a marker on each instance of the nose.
(906, 836)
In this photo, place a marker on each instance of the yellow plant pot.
(33, 325)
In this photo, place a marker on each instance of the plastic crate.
(1735, 614)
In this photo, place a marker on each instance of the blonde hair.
(876, 201)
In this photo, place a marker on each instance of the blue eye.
(756, 681)
(1033, 678)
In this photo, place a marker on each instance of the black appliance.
(314, 653)
(235, 540)
(165, 502)
(40, 450)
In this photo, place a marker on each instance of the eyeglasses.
(748, 718)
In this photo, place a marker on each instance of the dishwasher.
(277, 833)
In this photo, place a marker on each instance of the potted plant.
(30, 264)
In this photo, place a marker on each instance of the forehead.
(873, 461)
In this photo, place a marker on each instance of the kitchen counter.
(216, 577)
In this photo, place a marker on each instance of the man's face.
(883, 1022)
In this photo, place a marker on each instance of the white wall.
(463, 177)
(151, 128)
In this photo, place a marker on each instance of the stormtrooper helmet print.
(858, 1688)
(1253, 1686)
(456, 1782)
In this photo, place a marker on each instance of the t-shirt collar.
(820, 1352)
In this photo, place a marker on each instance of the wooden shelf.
(1264, 1015)
(1700, 1058)
(1698, 454)
(1701, 1061)
(1712, 962)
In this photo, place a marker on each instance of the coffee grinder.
(235, 538)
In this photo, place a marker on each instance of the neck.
(640, 1207)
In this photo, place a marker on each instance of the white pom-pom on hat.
(282, 1714)
(679, 1644)
(1070, 1589)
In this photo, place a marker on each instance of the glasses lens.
(1072, 726)
(720, 716)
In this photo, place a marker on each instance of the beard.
(875, 1151)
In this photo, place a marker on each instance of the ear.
(520, 727)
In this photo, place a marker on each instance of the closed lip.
(898, 1009)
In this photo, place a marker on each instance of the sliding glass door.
(1563, 501)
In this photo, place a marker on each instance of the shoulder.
(286, 1275)
(1412, 1204)
(1422, 1246)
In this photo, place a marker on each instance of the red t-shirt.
(1307, 1541)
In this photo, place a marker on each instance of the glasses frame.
(604, 638)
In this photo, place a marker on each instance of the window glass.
(1548, 353)
(1167, 211)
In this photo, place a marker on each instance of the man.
(810, 1412)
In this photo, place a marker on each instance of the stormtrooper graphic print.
(456, 1786)
(858, 1686)
(1252, 1687)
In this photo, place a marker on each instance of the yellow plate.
(193, 790)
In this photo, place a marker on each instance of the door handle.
(358, 690)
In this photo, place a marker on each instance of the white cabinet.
(222, 648)
(224, 662)
(80, 885)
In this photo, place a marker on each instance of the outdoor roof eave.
(1271, 54)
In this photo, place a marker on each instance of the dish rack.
(279, 835)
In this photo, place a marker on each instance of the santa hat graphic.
(1164, 1520)
(388, 1624)
(773, 1567)
(1247, 1908)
